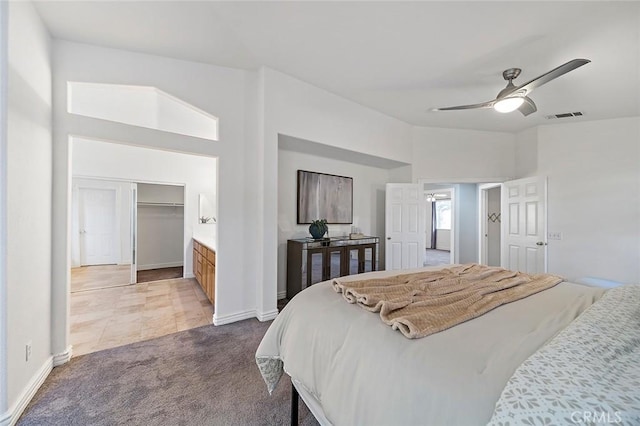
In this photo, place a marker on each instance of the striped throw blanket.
(423, 303)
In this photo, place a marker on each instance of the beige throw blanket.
(424, 303)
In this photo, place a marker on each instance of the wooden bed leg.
(294, 405)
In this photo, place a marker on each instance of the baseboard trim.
(267, 316)
(5, 419)
(11, 417)
(282, 294)
(189, 275)
(159, 266)
(238, 316)
(63, 357)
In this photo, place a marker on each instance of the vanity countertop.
(205, 241)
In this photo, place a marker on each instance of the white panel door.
(405, 226)
(524, 225)
(97, 216)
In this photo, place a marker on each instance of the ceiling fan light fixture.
(511, 104)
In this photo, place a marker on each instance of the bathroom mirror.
(206, 209)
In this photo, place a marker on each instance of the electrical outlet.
(27, 351)
(554, 235)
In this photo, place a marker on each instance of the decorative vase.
(317, 230)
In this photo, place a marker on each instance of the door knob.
(540, 243)
(388, 238)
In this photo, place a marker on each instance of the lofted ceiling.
(400, 58)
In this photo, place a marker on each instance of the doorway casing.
(455, 256)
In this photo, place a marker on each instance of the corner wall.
(28, 216)
(4, 67)
(452, 153)
(294, 108)
(593, 171)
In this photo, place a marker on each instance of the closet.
(160, 231)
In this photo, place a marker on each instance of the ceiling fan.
(514, 97)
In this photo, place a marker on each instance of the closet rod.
(145, 203)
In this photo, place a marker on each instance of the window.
(443, 214)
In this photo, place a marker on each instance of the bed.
(350, 368)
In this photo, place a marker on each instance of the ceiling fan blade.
(487, 104)
(527, 87)
(528, 106)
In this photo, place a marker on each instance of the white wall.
(144, 106)
(28, 215)
(466, 217)
(179, 117)
(124, 104)
(4, 66)
(122, 219)
(593, 197)
(451, 153)
(291, 107)
(443, 239)
(527, 153)
(368, 202)
(157, 193)
(136, 164)
(298, 109)
(493, 227)
(401, 174)
(253, 194)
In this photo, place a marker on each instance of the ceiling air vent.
(564, 115)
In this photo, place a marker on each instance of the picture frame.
(324, 196)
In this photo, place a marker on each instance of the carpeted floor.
(202, 376)
(437, 257)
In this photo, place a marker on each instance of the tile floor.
(99, 276)
(110, 317)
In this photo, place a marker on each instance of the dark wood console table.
(310, 261)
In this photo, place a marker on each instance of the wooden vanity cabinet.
(204, 268)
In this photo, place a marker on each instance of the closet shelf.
(146, 203)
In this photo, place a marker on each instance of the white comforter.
(364, 373)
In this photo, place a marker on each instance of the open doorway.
(439, 226)
(490, 223)
(100, 234)
(158, 245)
(157, 201)
(118, 239)
(466, 226)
